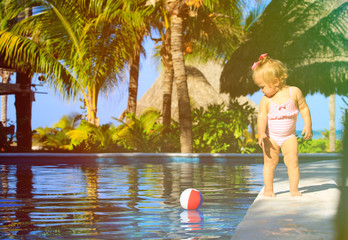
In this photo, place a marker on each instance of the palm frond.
(310, 37)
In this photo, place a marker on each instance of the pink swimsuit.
(282, 121)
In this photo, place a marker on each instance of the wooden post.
(23, 104)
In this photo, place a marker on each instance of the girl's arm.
(262, 121)
(306, 115)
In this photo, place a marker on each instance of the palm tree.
(175, 8)
(23, 101)
(162, 22)
(134, 62)
(91, 40)
(159, 21)
(133, 78)
(211, 30)
(24, 54)
(5, 74)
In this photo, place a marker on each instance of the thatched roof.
(309, 36)
(203, 86)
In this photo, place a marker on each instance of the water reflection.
(24, 188)
(4, 181)
(125, 201)
(186, 175)
(192, 219)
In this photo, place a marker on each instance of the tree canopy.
(310, 37)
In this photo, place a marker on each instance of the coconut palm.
(159, 21)
(91, 40)
(134, 62)
(23, 77)
(211, 29)
(133, 78)
(172, 58)
(175, 8)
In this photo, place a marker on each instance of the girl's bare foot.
(296, 193)
(269, 194)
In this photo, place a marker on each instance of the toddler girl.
(276, 122)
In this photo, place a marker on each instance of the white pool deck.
(308, 217)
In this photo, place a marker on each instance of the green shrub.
(320, 145)
(141, 134)
(90, 138)
(220, 129)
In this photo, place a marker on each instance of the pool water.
(111, 199)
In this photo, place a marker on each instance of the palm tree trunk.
(23, 105)
(134, 78)
(332, 130)
(167, 103)
(167, 83)
(133, 81)
(92, 110)
(167, 96)
(180, 78)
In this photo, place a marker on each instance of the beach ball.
(191, 199)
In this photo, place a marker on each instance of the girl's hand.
(307, 133)
(262, 137)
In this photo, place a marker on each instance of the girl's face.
(269, 89)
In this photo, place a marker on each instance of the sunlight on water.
(125, 201)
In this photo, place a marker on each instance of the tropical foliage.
(141, 134)
(217, 129)
(55, 137)
(83, 51)
(89, 46)
(308, 36)
(90, 138)
(220, 129)
(204, 29)
(320, 145)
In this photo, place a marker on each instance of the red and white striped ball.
(191, 199)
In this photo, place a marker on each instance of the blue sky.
(49, 108)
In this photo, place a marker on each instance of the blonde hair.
(269, 69)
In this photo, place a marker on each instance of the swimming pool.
(125, 198)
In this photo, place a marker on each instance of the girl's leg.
(270, 158)
(290, 153)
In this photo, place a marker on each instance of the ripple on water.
(128, 201)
